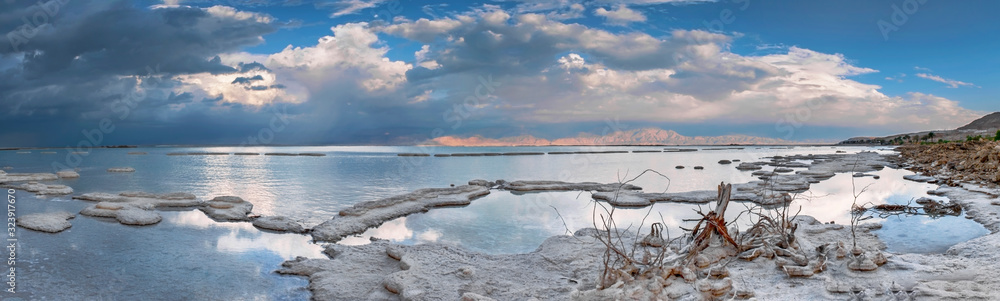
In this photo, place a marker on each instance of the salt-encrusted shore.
(567, 267)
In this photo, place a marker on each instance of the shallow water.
(503, 222)
(315, 188)
(188, 256)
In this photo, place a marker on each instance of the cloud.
(918, 68)
(153, 69)
(545, 5)
(253, 87)
(620, 15)
(687, 77)
(349, 55)
(652, 2)
(897, 78)
(502, 43)
(809, 85)
(573, 9)
(349, 87)
(348, 7)
(950, 82)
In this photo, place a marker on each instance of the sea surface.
(188, 256)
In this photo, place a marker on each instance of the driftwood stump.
(715, 223)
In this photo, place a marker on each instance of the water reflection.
(503, 222)
(185, 257)
(244, 237)
(191, 257)
(313, 189)
(506, 223)
(909, 234)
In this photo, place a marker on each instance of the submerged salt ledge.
(227, 209)
(41, 188)
(364, 215)
(772, 189)
(51, 222)
(564, 186)
(24, 177)
(67, 174)
(279, 223)
(7, 180)
(136, 208)
(137, 217)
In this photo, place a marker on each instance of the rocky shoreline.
(955, 164)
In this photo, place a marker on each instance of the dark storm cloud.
(245, 67)
(84, 59)
(123, 40)
(247, 80)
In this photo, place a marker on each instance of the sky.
(254, 72)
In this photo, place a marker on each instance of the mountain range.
(644, 136)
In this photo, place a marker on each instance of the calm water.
(188, 256)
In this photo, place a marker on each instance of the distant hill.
(646, 136)
(985, 126)
(988, 122)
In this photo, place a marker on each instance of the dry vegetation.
(659, 267)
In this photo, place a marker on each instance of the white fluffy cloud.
(809, 87)
(620, 15)
(950, 82)
(689, 76)
(348, 60)
(349, 54)
(554, 72)
(229, 12)
(253, 87)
